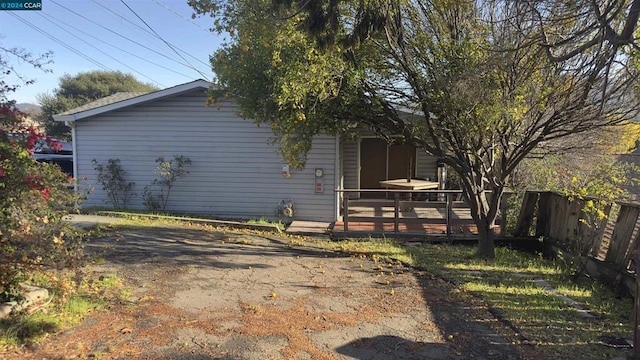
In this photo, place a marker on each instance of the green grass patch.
(508, 285)
(262, 221)
(73, 295)
(17, 331)
(141, 218)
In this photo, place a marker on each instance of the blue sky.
(87, 35)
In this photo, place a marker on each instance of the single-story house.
(234, 171)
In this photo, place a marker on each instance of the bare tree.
(485, 81)
(571, 28)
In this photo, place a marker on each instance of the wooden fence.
(608, 244)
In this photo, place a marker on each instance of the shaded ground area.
(204, 294)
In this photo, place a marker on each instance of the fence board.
(607, 232)
(633, 246)
(527, 212)
(594, 232)
(543, 223)
(573, 219)
(504, 204)
(621, 238)
(558, 216)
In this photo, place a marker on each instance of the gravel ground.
(214, 294)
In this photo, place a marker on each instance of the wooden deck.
(410, 218)
(381, 229)
(406, 213)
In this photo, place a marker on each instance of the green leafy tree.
(588, 175)
(481, 88)
(591, 167)
(79, 89)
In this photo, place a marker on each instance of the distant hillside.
(31, 109)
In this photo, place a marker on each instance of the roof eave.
(134, 101)
(64, 118)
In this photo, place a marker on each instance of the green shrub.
(156, 194)
(113, 179)
(33, 199)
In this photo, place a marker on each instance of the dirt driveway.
(205, 294)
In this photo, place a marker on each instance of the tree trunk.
(484, 212)
(486, 239)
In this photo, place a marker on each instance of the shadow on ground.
(393, 347)
(214, 294)
(192, 247)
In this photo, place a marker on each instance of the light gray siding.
(234, 172)
(350, 163)
(426, 166)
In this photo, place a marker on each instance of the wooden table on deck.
(413, 184)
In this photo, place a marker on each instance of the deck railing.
(446, 200)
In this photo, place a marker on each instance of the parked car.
(61, 155)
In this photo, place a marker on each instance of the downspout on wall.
(338, 176)
(74, 153)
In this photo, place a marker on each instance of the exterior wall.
(426, 166)
(350, 163)
(234, 172)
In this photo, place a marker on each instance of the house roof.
(108, 100)
(124, 99)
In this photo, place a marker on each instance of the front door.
(373, 163)
(380, 161)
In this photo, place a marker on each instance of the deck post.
(345, 211)
(636, 308)
(448, 213)
(396, 212)
(504, 204)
